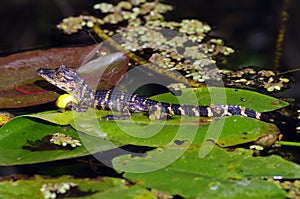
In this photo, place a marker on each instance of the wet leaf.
(220, 174)
(20, 86)
(26, 141)
(110, 188)
(215, 95)
(18, 74)
(140, 131)
(227, 131)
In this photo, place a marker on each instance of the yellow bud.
(63, 100)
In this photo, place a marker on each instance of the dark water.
(251, 26)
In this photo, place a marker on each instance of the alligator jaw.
(47, 74)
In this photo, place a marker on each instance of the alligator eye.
(57, 75)
(68, 76)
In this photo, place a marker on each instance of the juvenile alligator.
(68, 80)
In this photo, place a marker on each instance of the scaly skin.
(68, 80)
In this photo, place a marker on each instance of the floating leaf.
(227, 131)
(110, 188)
(26, 141)
(140, 131)
(20, 85)
(220, 174)
(18, 74)
(215, 95)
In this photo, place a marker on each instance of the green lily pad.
(216, 95)
(26, 141)
(141, 131)
(220, 174)
(110, 188)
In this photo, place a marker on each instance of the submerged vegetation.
(190, 50)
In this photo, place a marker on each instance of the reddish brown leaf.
(20, 86)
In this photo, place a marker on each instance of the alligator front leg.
(125, 114)
(75, 107)
(155, 112)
